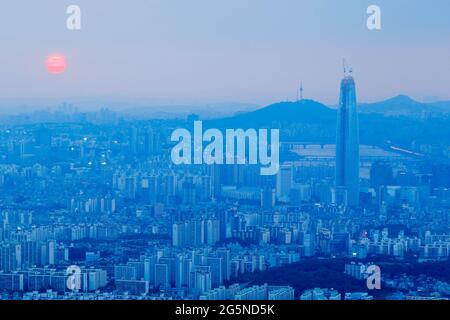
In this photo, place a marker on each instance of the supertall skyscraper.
(347, 144)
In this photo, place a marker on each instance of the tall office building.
(347, 144)
(162, 275)
(212, 231)
(133, 140)
(267, 198)
(285, 179)
(152, 142)
(178, 234)
(215, 173)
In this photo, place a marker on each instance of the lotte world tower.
(347, 145)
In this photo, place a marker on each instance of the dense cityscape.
(92, 207)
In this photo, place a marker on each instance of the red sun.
(56, 64)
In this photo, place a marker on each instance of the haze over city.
(224, 150)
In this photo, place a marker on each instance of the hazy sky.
(253, 51)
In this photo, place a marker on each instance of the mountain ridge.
(309, 120)
(302, 111)
(403, 105)
(312, 111)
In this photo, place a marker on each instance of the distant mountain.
(405, 106)
(309, 120)
(304, 111)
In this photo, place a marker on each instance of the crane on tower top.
(301, 90)
(348, 71)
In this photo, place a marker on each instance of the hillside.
(304, 111)
(309, 120)
(405, 106)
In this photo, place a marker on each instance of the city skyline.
(93, 208)
(214, 150)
